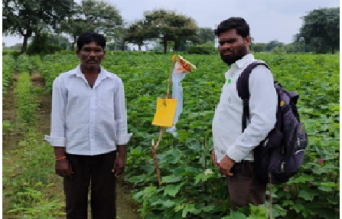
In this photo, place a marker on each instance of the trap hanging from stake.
(166, 107)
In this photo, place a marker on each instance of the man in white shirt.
(88, 127)
(232, 147)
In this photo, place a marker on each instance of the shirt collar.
(102, 75)
(241, 63)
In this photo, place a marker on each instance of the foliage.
(202, 50)
(206, 35)
(24, 64)
(13, 53)
(26, 167)
(137, 33)
(25, 100)
(41, 46)
(26, 17)
(58, 40)
(192, 187)
(273, 44)
(8, 67)
(92, 16)
(258, 47)
(321, 29)
(169, 26)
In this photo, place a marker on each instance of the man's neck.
(90, 71)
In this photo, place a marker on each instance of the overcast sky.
(268, 19)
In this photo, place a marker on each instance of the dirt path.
(126, 207)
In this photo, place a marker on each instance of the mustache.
(227, 50)
(92, 60)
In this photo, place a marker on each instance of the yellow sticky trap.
(165, 113)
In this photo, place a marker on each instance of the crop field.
(191, 186)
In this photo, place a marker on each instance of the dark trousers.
(95, 171)
(244, 187)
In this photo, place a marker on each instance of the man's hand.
(63, 168)
(119, 165)
(225, 165)
(213, 158)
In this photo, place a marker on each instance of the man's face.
(91, 56)
(232, 46)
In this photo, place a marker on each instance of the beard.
(230, 59)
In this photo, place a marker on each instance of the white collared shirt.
(227, 123)
(85, 120)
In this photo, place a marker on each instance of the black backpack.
(279, 156)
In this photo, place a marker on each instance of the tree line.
(49, 22)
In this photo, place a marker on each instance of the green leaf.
(22, 143)
(172, 190)
(171, 179)
(208, 208)
(307, 196)
(168, 203)
(189, 208)
(235, 215)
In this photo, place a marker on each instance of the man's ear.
(248, 40)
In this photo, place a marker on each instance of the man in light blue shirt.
(88, 127)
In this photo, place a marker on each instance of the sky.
(268, 19)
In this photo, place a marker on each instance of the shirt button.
(229, 99)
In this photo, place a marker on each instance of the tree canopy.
(321, 29)
(26, 17)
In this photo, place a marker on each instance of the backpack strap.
(243, 90)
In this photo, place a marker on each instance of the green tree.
(321, 29)
(58, 40)
(92, 16)
(258, 47)
(169, 26)
(137, 33)
(271, 45)
(26, 17)
(74, 27)
(297, 47)
(206, 35)
(41, 45)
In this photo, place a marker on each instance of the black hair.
(87, 38)
(238, 23)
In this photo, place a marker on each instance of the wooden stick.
(169, 80)
(154, 155)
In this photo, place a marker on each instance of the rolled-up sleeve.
(263, 106)
(120, 115)
(57, 134)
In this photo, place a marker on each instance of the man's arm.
(263, 106)
(122, 137)
(57, 135)
(120, 116)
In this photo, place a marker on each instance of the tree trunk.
(73, 44)
(139, 46)
(24, 47)
(26, 36)
(332, 50)
(165, 45)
